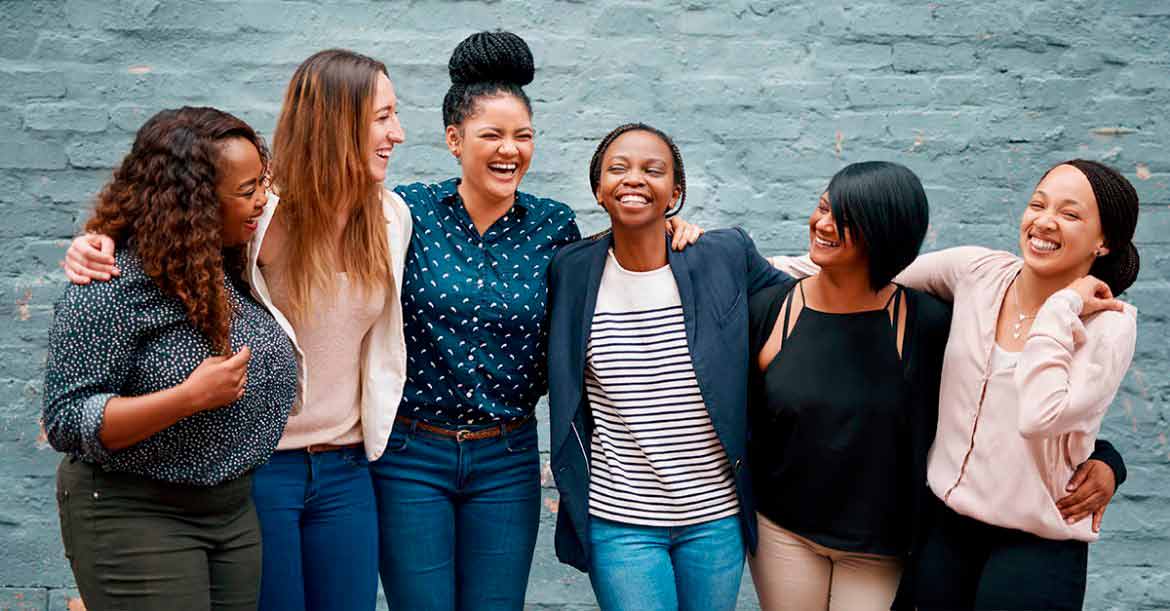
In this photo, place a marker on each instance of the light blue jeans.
(652, 568)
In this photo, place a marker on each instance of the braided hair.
(486, 64)
(680, 174)
(1117, 205)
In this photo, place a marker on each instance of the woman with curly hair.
(168, 385)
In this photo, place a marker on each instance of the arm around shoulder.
(1070, 369)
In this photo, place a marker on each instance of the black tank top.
(830, 445)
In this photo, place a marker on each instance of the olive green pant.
(137, 543)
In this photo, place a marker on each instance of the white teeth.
(1043, 245)
(825, 243)
(633, 199)
(383, 153)
(502, 167)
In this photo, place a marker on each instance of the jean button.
(95, 494)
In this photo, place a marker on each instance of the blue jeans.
(457, 519)
(319, 526)
(652, 568)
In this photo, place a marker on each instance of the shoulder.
(394, 207)
(931, 311)
(418, 193)
(121, 294)
(576, 253)
(731, 242)
(761, 301)
(1110, 325)
(983, 261)
(545, 207)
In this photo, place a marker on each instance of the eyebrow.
(1063, 201)
(248, 182)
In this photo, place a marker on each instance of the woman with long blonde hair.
(326, 260)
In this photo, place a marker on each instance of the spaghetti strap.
(788, 312)
(897, 299)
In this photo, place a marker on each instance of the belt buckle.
(461, 435)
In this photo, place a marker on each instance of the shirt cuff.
(93, 411)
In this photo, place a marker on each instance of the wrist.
(187, 398)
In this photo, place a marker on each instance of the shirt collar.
(448, 193)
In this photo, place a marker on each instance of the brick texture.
(767, 98)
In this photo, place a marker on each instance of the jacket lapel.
(686, 289)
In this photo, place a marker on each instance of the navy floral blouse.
(126, 337)
(474, 306)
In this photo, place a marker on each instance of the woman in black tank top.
(844, 400)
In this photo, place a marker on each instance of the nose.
(826, 224)
(508, 147)
(634, 178)
(396, 134)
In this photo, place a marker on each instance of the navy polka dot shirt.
(126, 337)
(474, 307)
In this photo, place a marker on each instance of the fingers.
(678, 241)
(1097, 515)
(1078, 511)
(1078, 477)
(240, 358)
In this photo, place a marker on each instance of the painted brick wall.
(767, 98)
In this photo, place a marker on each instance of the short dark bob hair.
(884, 207)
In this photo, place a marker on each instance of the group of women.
(288, 381)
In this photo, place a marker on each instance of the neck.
(1033, 289)
(843, 290)
(483, 208)
(641, 250)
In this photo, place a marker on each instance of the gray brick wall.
(767, 98)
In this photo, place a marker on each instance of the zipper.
(573, 425)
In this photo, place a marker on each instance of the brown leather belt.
(462, 435)
(318, 448)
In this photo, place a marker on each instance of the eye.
(524, 137)
(1036, 206)
(1071, 215)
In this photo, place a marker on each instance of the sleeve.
(91, 344)
(1106, 453)
(760, 273)
(797, 267)
(939, 272)
(1066, 379)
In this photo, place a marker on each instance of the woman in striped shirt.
(648, 383)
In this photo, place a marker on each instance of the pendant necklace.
(1017, 326)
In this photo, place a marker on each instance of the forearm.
(129, 420)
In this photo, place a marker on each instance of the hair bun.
(491, 57)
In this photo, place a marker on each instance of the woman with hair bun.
(459, 485)
(1038, 348)
(167, 386)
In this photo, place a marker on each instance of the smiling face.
(494, 146)
(240, 189)
(385, 131)
(827, 246)
(637, 184)
(1060, 230)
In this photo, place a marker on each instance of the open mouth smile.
(503, 170)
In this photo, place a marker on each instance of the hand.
(218, 380)
(90, 256)
(1091, 488)
(1096, 295)
(684, 233)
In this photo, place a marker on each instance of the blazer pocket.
(729, 313)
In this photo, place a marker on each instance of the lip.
(509, 171)
(1042, 246)
(825, 243)
(629, 199)
(383, 152)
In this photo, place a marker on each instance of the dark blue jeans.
(457, 519)
(320, 537)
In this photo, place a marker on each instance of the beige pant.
(792, 573)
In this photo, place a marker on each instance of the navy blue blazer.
(715, 277)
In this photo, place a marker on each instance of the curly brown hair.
(162, 204)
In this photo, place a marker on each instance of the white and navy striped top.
(656, 460)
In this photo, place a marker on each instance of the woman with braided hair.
(1038, 348)
(648, 370)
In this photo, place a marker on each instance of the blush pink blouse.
(1007, 442)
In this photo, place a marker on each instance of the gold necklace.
(1017, 327)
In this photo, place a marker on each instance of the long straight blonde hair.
(320, 166)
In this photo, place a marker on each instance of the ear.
(1101, 251)
(674, 198)
(454, 141)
